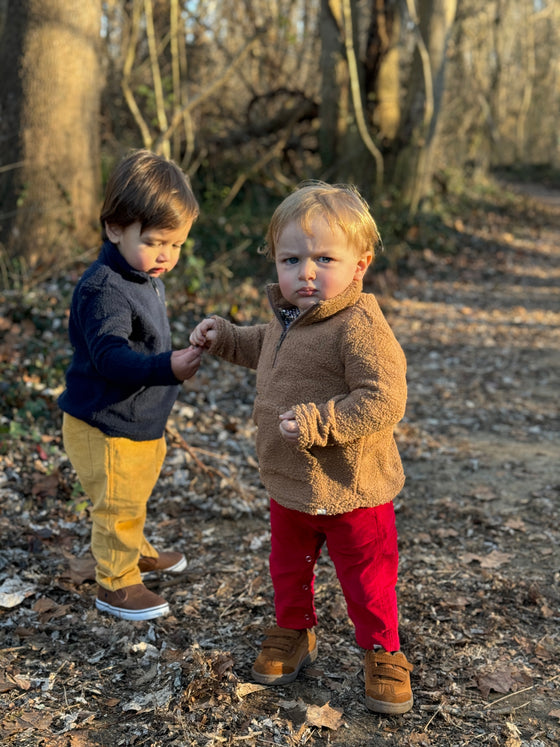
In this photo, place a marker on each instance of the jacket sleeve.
(105, 321)
(375, 378)
(239, 345)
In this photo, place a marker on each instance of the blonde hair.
(341, 205)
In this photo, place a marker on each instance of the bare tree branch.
(156, 76)
(217, 84)
(357, 96)
(426, 67)
(242, 178)
(130, 55)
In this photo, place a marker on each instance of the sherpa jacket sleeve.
(240, 345)
(106, 322)
(375, 376)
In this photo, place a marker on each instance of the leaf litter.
(478, 525)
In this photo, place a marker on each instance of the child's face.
(318, 266)
(154, 250)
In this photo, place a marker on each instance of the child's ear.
(113, 232)
(362, 265)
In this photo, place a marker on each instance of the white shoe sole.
(145, 614)
(179, 567)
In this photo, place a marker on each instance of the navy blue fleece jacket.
(120, 378)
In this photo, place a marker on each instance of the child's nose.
(164, 254)
(307, 270)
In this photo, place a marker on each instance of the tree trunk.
(383, 67)
(344, 156)
(333, 111)
(49, 149)
(419, 130)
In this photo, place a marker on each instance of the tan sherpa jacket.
(340, 369)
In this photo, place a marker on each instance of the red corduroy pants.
(363, 547)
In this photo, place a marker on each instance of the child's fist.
(185, 363)
(203, 334)
(288, 426)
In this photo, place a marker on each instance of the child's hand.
(288, 426)
(185, 363)
(204, 333)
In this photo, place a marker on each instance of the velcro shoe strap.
(393, 661)
(280, 640)
(389, 673)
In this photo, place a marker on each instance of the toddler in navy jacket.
(124, 376)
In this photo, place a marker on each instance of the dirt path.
(482, 336)
(479, 535)
(482, 438)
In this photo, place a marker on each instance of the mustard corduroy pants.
(118, 476)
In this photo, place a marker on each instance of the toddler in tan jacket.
(331, 385)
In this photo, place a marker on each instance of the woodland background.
(445, 114)
(408, 99)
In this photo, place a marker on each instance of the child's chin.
(307, 303)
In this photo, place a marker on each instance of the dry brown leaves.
(478, 525)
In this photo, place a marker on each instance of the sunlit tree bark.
(50, 89)
(347, 150)
(420, 124)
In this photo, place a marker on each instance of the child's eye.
(325, 260)
(291, 260)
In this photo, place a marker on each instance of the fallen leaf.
(457, 602)
(331, 718)
(44, 604)
(515, 523)
(13, 682)
(513, 735)
(484, 493)
(45, 485)
(81, 569)
(504, 678)
(445, 532)
(500, 680)
(13, 591)
(493, 560)
(288, 705)
(246, 688)
(35, 719)
(222, 664)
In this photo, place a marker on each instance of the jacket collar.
(111, 256)
(321, 310)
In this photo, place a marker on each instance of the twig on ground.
(180, 441)
(518, 692)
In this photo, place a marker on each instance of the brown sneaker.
(131, 603)
(284, 652)
(167, 562)
(388, 682)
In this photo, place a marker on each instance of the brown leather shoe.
(388, 682)
(284, 652)
(131, 603)
(166, 562)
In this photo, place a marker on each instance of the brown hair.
(339, 204)
(148, 189)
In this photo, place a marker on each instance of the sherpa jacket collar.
(322, 310)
